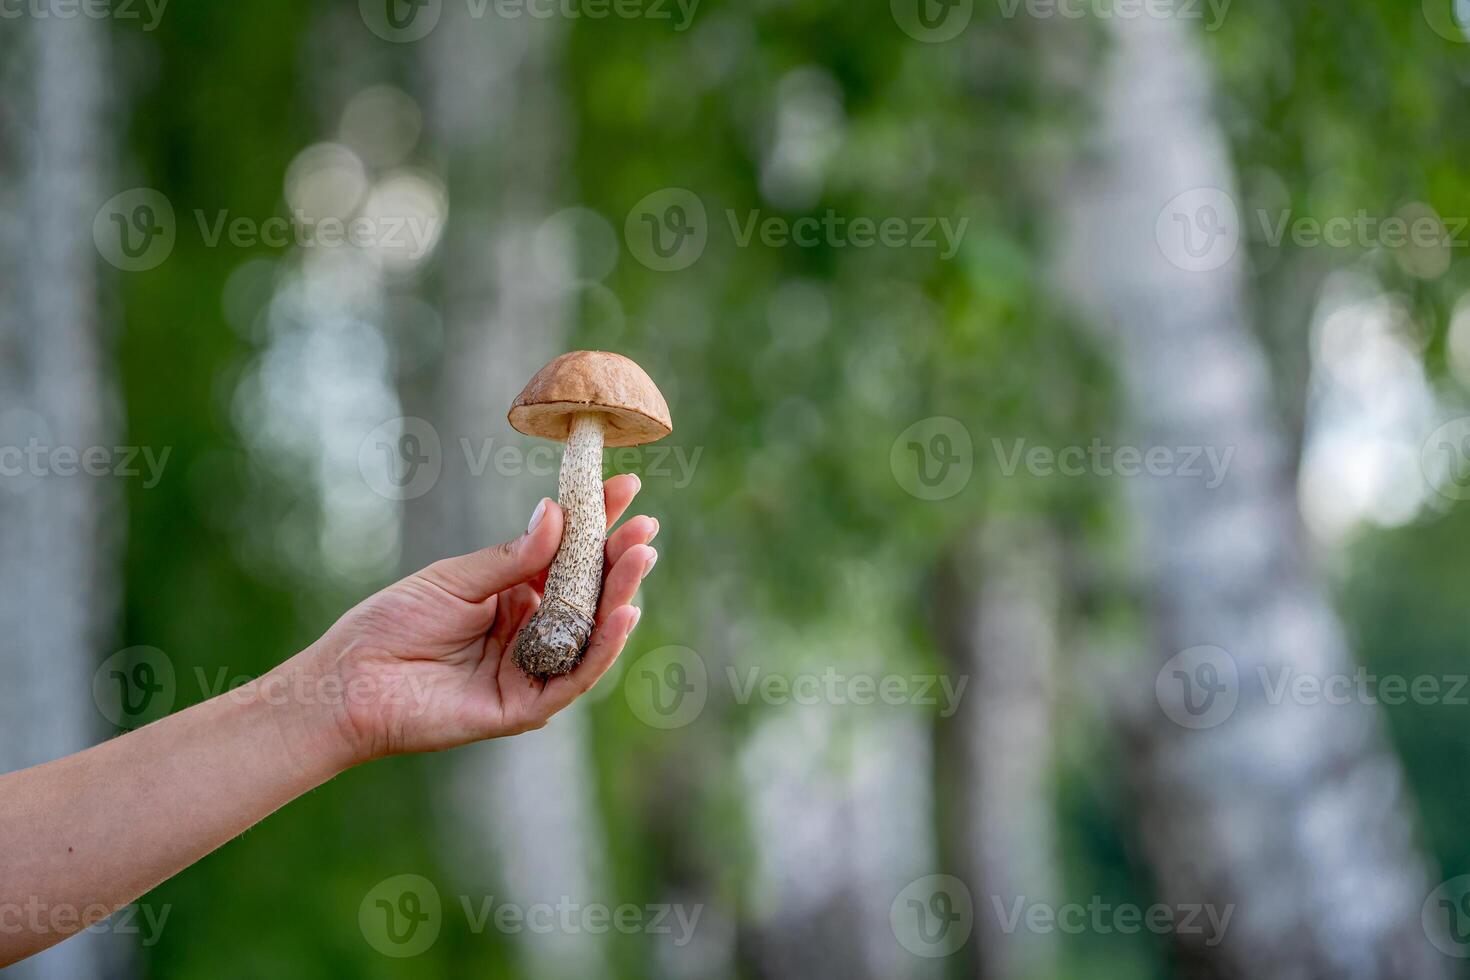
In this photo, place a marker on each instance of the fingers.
(521, 604)
(618, 493)
(516, 606)
(615, 619)
(479, 575)
(637, 530)
(622, 581)
(602, 651)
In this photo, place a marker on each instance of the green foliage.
(791, 370)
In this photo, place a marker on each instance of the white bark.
(523, 815)
(840, 812)
(1297, 815)
(840, 793)
(58, 535)
(998, 624)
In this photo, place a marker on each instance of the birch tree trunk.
(840, 799)
(1295, 814)
(997, 611)
(58, 534)
(522, 809)
(840, 811)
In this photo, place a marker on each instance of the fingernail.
(637, 615)
(656, 527)
(536, 515)
(638, 480)
(652, 560)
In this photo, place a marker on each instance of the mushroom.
(587, 399)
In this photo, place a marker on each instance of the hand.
(425, 664)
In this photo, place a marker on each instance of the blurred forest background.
(897, 467)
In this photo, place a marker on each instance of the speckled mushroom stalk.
(552, 642)
(588, 399)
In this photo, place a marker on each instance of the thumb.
(479, 575)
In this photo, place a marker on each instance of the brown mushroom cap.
(593, 381)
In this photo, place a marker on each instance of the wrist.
(304, 707)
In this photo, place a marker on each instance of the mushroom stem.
(552, 642)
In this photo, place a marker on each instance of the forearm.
(420, 666)
(85, 835)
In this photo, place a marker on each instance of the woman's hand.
(425, 664)
(422, 665)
